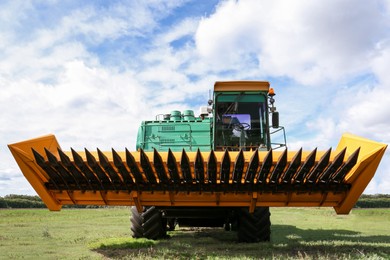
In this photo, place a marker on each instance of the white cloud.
(311, 42)
(53, 83)
(187, 27)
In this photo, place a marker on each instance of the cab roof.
(220, 86)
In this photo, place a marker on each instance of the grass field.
(303, 233)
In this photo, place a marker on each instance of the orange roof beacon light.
(271, 92)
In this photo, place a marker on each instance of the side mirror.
(275, 119)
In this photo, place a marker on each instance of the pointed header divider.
(215, 178)
(145, 175)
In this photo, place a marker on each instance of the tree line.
(14, 201)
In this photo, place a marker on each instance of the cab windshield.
(240, 122)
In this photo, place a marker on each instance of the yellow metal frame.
(369, 158)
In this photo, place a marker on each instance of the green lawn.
(303, 233)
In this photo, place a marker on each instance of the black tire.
(136, 223)
(255, 227)
(148, 224)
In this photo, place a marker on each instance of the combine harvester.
(218, 169)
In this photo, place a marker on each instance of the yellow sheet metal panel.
(241, 86)
(370, 155)
(24, 157)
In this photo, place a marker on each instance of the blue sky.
(90, 71)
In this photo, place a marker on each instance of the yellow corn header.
(218, 169)
(229, 179)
